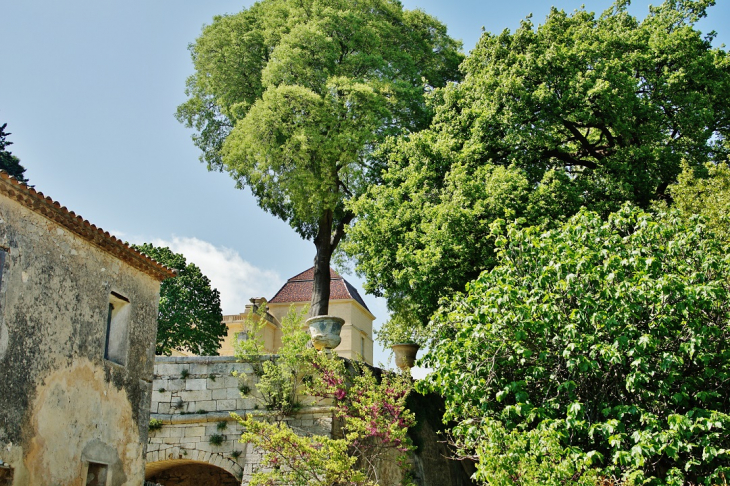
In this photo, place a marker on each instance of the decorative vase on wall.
(325, 331)
(405, 355)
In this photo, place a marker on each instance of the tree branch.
(569, 159)
(339, 231)
(585, 144)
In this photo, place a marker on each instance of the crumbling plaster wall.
(61, 403)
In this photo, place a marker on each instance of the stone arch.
(157, 463)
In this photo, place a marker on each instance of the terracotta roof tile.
(299, 289)
(50, 209)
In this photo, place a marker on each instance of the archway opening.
(188, 473)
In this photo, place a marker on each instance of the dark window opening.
(6, 475)
(116, 342)
(3, 252)
(108, 329)
(96, 474)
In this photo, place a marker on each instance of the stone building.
(345, 302)
(78, 322)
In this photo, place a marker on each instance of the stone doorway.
(188, 473)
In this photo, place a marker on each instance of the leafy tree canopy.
(291, 97)
(707, 194)
(9, 162)
(579, 111)
(190, 317)
(597, 349)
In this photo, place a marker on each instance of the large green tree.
(597, 349)
(9, 162)
(190, 317)
(290, 98)
(582, 110)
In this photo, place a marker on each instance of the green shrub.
(608, 341)
(280, 378)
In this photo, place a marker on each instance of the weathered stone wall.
(184, 386)
(62, 405)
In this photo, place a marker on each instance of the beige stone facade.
(238, 328)
(345, 302)
(357, 333)
(78, 321)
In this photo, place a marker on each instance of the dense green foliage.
(9, 162)
(190, 317)
(291, 97)
(579, 111)
(708, 196)
(600, 348)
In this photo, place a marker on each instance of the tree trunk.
(321, 289)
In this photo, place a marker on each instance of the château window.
(117, 329)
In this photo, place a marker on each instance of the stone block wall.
(194, 397)
(185, 385)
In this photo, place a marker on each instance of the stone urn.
(405, 355)
(325, 331)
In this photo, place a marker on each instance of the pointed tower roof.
(299, 289)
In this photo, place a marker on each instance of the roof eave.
(52, 210)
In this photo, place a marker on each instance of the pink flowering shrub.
(374, 420)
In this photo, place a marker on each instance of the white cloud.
(236, 279)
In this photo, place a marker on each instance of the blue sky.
(89, 88)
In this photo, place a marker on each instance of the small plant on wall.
(216, 439)
(184, 374)
(280, 379)
(155, 424)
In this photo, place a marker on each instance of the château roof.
(299, 289)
